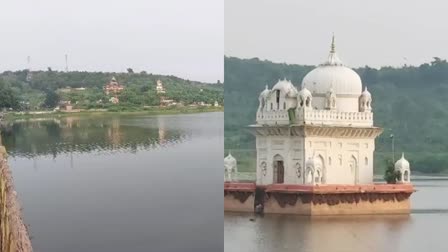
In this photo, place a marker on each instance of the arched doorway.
(279, 170)
(354, 169)
(309, 176)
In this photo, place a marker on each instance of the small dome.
(313, 162)
(402, 163)
(333, 74)
(286, 87)
(305, 92)
(366, 92)
(230, 161)
(265, 92)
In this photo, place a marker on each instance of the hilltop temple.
(113, 87)
(315, 147)
(159, 87)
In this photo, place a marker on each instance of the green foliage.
(51, 99)
(390, 175)
(139, 89)
(409, 102)
(8, 97)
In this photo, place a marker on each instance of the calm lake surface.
(424, 230)
(120, 183)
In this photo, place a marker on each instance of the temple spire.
(332, 45)
(333, 59)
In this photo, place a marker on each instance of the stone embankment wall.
(13, 232)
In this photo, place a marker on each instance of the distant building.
(114, 100)
(216, 104)
(70, 89)
(164, 102)
(65, 106)
(159, 87)
(113, 87)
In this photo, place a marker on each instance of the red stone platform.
(319, 199)
(332, 189)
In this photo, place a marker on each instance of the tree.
(8, 98)
(130, 71)
(51, 99)
(390, 174)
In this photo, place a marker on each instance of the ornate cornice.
(316, 131)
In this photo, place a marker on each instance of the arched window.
(366, 161)
(271, 106)
(307, 101)
(368, 104)
(278, 98)
(284, 105)
(301, 102)
(406, 176)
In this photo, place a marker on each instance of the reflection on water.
(84, 134)
(416, 232)
(126, 183)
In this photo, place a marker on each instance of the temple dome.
(333, 74)
(230, 163)
(305, 92)
(402, 163)
(264, 94)
(366, 93)
(286, 87)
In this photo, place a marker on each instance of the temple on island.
(315, 149)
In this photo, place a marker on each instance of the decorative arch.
(354, 168)
(309, 175)
(308, 102)
(319, 166)
(406, 176)
(279, 169)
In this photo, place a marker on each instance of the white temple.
(159, 87)
(320, 134)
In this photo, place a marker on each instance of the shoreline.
(11, 116)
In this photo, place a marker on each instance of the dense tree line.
(39, 89)
(409, 102)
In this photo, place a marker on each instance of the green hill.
(35, 93)
(410, 102)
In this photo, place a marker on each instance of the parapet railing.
(13, 232)
(328, 117)
(273, 117)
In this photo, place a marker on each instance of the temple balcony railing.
(280, 117)
(334, 118)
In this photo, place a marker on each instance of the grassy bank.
(114, 111)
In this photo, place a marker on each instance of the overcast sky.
(183, 38)
(374, 33)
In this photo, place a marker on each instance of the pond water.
(423, 230)
(120, 183)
